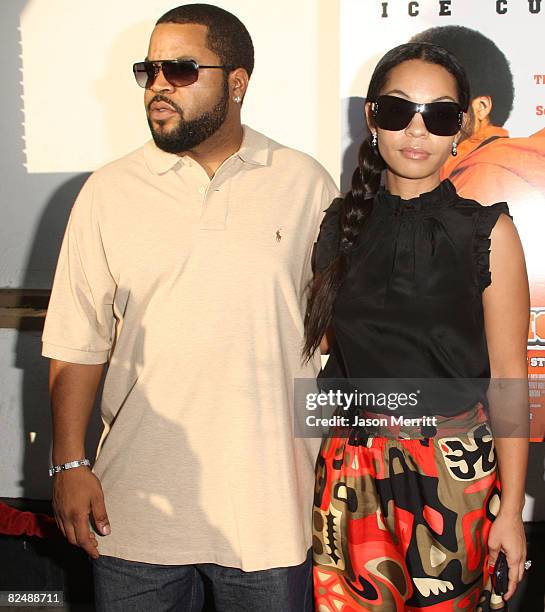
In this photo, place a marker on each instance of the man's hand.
(77, 496)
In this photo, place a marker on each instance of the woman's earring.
(454, 149)
(237, 99)
(374, 141)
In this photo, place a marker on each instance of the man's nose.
(160, 83)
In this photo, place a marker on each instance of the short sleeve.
(80, 321)
(327, 245)
(484, 223)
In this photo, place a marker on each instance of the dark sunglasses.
(441, 118)
(178, 72)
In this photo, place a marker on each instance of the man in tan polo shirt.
(184, 267)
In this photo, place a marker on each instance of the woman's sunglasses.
(178, 72)
(394, 114)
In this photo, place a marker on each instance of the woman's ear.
(369, 116)
(465, 129)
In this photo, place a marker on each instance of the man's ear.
(238, 82)
(482, 107)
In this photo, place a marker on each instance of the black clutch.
(500, 577)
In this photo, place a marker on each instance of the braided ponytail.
(355, 207)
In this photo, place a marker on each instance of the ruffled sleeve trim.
(485, 221)
(327, 245)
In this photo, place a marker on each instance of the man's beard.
(189, 134)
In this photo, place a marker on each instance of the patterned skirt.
(402, 524)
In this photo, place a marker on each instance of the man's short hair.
(486, 66)
(227, 37)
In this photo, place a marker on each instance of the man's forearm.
(73, 388)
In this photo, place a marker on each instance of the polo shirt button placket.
(214, 206)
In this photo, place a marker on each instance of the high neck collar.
(443, 195)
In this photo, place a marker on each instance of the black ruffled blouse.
(411, 303)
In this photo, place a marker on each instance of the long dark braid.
(355, 207)
(358, 202)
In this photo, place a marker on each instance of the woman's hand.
(507, 534)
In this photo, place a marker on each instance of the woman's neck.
(407, 188)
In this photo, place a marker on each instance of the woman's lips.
(414, 153)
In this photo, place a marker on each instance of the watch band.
(67, 466)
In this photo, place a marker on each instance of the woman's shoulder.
(482, 219)
(469, 225)
(479, 212)
(473, 218)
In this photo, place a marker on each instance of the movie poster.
(503, 155)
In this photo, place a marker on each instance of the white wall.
(82, 107)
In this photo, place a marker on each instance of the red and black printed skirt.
(402, 524)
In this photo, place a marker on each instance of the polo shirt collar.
(160, 161)
(253, 150)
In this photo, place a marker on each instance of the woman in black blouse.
(413, 281)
